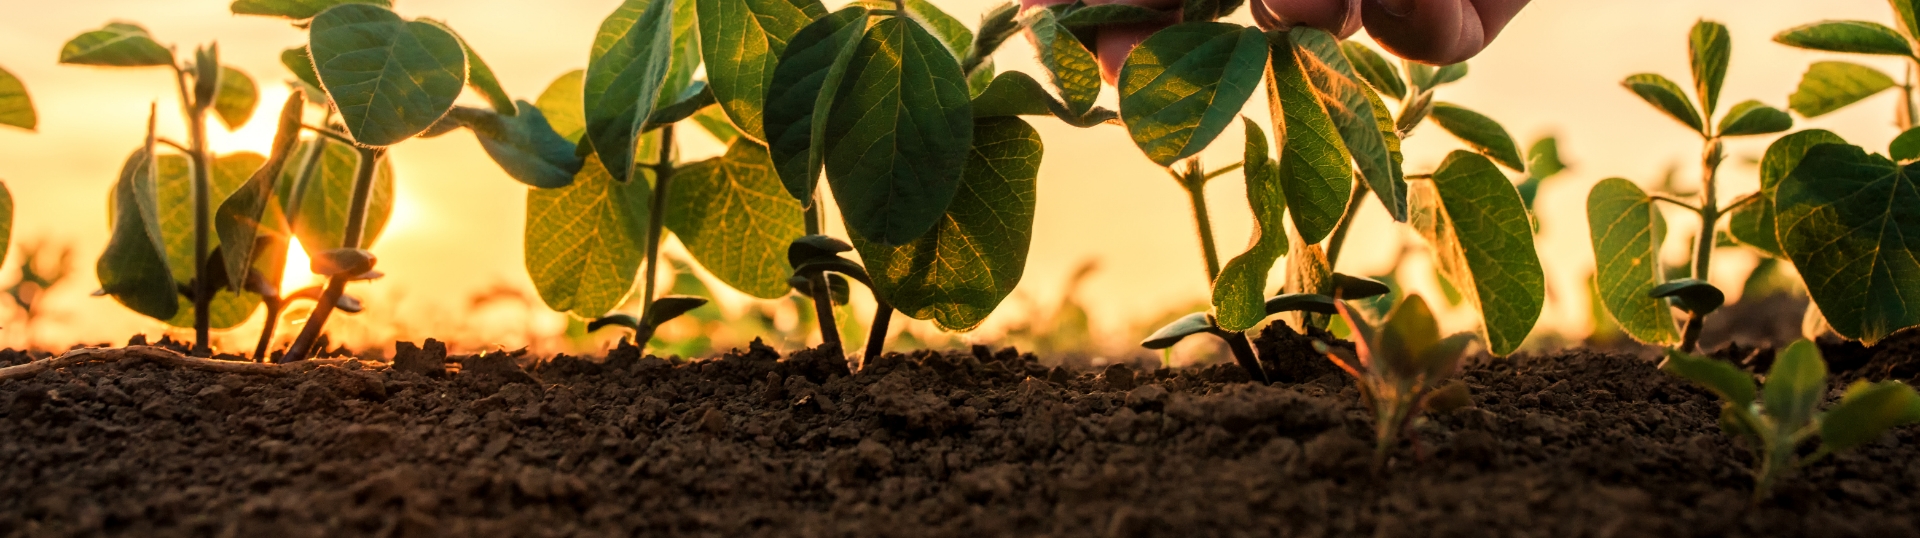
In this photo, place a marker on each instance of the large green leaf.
(1375, 69)
(1627, 230)
(389, 78)
(175, 182)
(741, 41)
(300, 64)
(959, 272)
(1753, 118)
(1239, 292)
(625, 75)
(952, 32)
(1070, 66)
(242, 221)
(1866, 411)
(1830, 86)
(1352, 106)
(1753, 223)
(524, 145)
(1482, 241)
(801, 94)
(734, 216)
(118, 44)
(295, 9)
(1795, 386)
(1666, 96)
(236, 98)
(898, 133)
(1184, 85)
(16, 108)
(1846, 36)
(679, 82)
(133, 269)
(1480, 132)
(1709, 49)
(1013, 93)
(561, 104)
(1850, 222)
(1316, 172)
(1908, 12)
(321, 221)
(479, 76)
(584, 241)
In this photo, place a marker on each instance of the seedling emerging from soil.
(1784, 416)
(1404, 368)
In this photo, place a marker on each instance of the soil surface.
(987, 443)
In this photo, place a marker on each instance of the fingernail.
(1397, 8)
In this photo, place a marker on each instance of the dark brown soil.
(975, 444)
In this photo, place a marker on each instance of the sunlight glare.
(298, 273)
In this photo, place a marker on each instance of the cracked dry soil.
(1574, 443)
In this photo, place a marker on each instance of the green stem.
(1703, 247)
(356, 228)
(656, 223)
(1339, 238)
(296, 192)
(1912, 116)
(823, 313)
(195, 114)
(1196, 187)
(877, 335)
(1244, 354)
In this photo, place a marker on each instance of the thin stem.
(196, 116)
(329, 133)
(1244, 354)
(356, 227)
(266, 331)
(183, 148)
(311, 162)
(1225, 170)
(877, 336)
(1198, 196)
(1339, 238)
(1675, 201)
(1737, 204)
(656, 221)
(823, 313)
(1703, 249)
(1912, 116)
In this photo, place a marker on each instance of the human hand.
(1430, 31)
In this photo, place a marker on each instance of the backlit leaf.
(734, 216)
(1850, 222)
(389, 78)
(714, 121)
(1866, 411)
(1184, 85)
(741, 41)
(118, 44)
(584, 241)
(627, 70)
(479, 76)
(1846, 36)
(16, 108)
(802, 92)
(321, 221)
(1905, 147)
(236, 98)
(300, 64)
(133, 269)
(175, 196)
(1377, 71)
(1013, 93)
(1240, 290)
(1795, 386)
(1627, 230)
(1482, 240)
(524, 145)
(562, 105)
(1316, 172)
(295, 9)
(1092, 16)
(1480, 132)
(1906, 11)
(1351, 105)
(1070, 66)
(1830, 86)
(1753, 224)
(1666, 96)
(1722, 378)
(1710, 48)
(1752, 118)
(242, 220)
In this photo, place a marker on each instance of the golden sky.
(457, 230)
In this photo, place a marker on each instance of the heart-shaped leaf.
(16, 108)
(524, 145)
(1752, 118)
(959, 272)
(295, 9)
(1070, 66)
(1690, 295)
(1183, 86)
(1627, 230)
(1795, 386)
(801, 94)
(1666, 96)
(898, 133)
(733, 215)
(326, 199)
(1239, 290)
(1480, 132)
(1850, 222)
(1830, 86)
(584, 241)
(389, 78)
(1482, 241)
(479, 76)
(1753, 224)
(1377, 71)
(118, 44)
(1356, 111)
(624, 80)
(1316, 172)
(1846, 36)
(741, 41)
(1709, 48)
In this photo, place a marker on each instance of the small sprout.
(664, 309)
(1404, 368)
(1786, 414)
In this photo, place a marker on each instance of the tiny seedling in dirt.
(1783, 416)
(1404, 368)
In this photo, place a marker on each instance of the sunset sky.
(457, 229)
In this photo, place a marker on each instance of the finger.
(1149, 4)
(1340, 17)
(1437, 31)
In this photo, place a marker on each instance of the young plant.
(1627, 227)
(179, 210)
(1831, 85)
(1783, 416)
(16, 110)
(1404, 368)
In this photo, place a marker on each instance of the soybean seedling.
(1783, 416)
(1627, 227)
(1404, 368)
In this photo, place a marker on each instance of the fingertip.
(1430, 31)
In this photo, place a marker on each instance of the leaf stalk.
(356, 228)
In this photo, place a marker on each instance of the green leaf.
(118, 44)
(1752, 118)
(584, 241)
(629, 67)
(801, 94)
(959, 272)
(389, 78)
(1710, 48)
(1627, 230)
(321, 221)
(1795, 386)
(524, 145)
(1666, 96)
(236, 98)
(133, 269)
(1482, 241)
(1239, 291)
(1316, 172)
(898, 133)
(242, 220)
(1830, 86)
(734, 216)
(1753, 224)
(1905, 10)
(479, 76)
(1866, 411)
(300, 64)
(1070, 66)
(1905, 147)
(715, 123)
(16, 108)
(1013, 93)
(295, 9)
(1094, 16)
(1180, 329)
(1846, 36)
(952, 33)
(174, 179)
(1377, 71)
(1403, 339)
(1448, 74)
(1351, 105)
(1184, 85)
(1722, 378)
(1543, 158)
(741, 42)
(1691, 295)
(685, 53)
(562, 104)
(1850, 222)
(1482, 133)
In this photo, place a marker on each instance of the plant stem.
(656, 222)
(1244, 354)
(877, 335)
(1703, 248)
(823, 313)
(336, 284)
(296, 192)
(1910, 116)
(1339, 238)
(1195, 184)
(195, 114)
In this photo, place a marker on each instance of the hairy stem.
(1703, 248)
(337, 284)
(656, 224)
